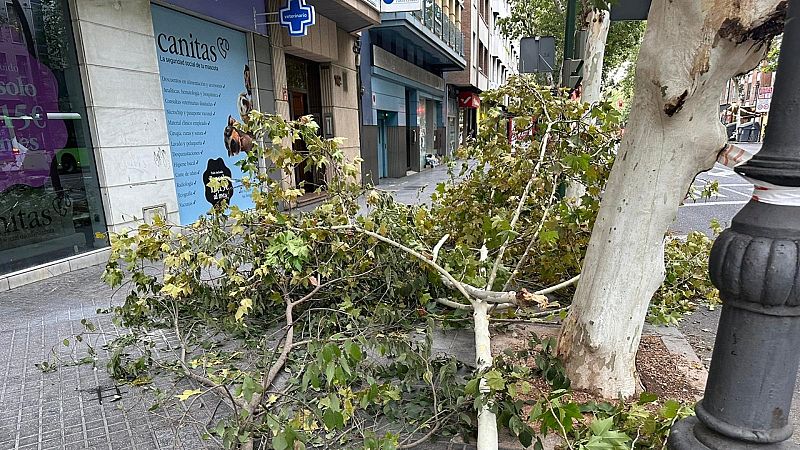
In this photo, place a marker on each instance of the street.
(734, 192)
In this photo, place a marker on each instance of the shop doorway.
(303, 85)
(383, 153)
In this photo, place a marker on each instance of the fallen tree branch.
(452, 304)
(558, 286)
(542, 150)
(524, 258)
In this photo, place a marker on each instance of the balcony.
(434, 20)
(430, 30)
(349, 15)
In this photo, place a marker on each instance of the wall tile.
(37, 274)
(131, 15)
(130, 165)
(113, 47)
(123, 127)
(126, 202)
(121, 88)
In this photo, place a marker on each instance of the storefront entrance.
(302, 79)
(50, 203)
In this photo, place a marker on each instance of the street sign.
(297, 17)
(401, 5)
(630, 10)
(572, 73)
(537, 54)
(762, 105)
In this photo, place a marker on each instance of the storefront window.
(50, 204)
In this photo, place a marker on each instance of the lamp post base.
(691, 434)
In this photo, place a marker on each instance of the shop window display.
(50, 204)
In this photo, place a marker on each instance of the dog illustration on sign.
(236, 140)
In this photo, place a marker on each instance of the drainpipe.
(756, 266)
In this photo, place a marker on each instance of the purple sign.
(238, 12)
(31, 131)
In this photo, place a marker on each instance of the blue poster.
(207, 91)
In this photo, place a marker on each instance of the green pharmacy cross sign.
(297, 17)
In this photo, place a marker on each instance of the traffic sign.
(537, 54)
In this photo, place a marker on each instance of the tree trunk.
(487, 422)
(689, 51)
(597, 24)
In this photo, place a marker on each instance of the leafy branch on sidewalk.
(316, 328)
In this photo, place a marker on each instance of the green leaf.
(599, 426)
(647, 397)
(330, 371)
(670, 409)
(333, 419)
(548, 236)
(353, 351)
(495, 380)
(526, 437)
(249, 387)
(279, 442)
(515, 425)
(472, 386)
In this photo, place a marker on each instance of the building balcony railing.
(434, 19)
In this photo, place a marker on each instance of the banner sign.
(297, 17)
(238, 12)
(207, 90)
(401, 5)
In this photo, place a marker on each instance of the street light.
(756, 266)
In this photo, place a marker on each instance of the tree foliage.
(316, 328)
(770, 63)
(622, 45)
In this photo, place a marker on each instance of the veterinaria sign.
(297, 17)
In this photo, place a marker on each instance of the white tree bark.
(487, 422)
(690, 49)
(597, 25)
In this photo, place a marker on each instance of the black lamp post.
(756, 266)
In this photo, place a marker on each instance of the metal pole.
(569, 36)
(756, 266)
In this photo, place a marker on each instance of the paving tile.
(60, 409)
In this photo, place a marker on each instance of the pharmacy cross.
(297, 17)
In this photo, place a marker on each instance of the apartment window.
(484, 10)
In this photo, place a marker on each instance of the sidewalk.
(61, 409)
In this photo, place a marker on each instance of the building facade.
(408, 114)
(744, 106)
(117, 110)
(491, 59)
